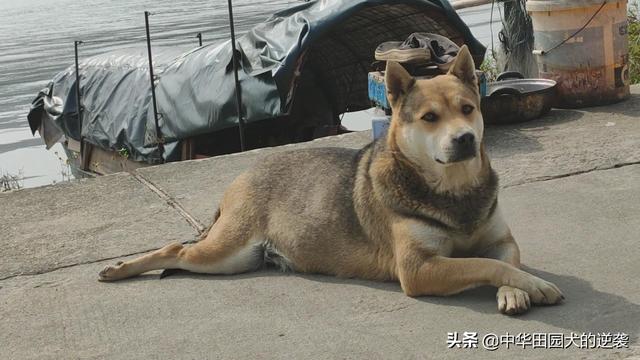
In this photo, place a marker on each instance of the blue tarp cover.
(195, 90)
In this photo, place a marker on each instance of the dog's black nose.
(465, 139)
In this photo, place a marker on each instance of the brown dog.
(406, 208)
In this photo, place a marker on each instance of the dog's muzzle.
(463, 148)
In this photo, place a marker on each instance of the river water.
(36, 42)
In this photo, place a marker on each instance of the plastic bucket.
(590, 67)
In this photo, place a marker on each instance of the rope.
(516, 38)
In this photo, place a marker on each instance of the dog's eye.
(430, 117)
(467, 109)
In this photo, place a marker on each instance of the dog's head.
(436, 122)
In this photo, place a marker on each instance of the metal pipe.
(153, 86)
(238, 90)
(78, 95)
(199, 36)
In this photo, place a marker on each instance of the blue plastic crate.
(377, 91)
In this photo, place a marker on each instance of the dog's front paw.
(512, 300)
(112, 272)
(541, 291)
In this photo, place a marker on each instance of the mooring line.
(173, 203)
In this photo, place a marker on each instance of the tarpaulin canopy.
(333, 39)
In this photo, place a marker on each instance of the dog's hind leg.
(228, 248)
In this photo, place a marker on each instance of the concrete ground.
(570, 190)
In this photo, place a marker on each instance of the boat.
(298, 71)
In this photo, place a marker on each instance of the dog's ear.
(463, 67)
(397, 81)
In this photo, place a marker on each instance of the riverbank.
(570, 191)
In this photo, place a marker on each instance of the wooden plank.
(105, 162)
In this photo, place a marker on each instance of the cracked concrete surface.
(88, 220)
(575, 231)
(578, 229)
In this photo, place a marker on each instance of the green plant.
(490, 68)
(65, 168)
(10, 182)
(124, 152)
(634, 43)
